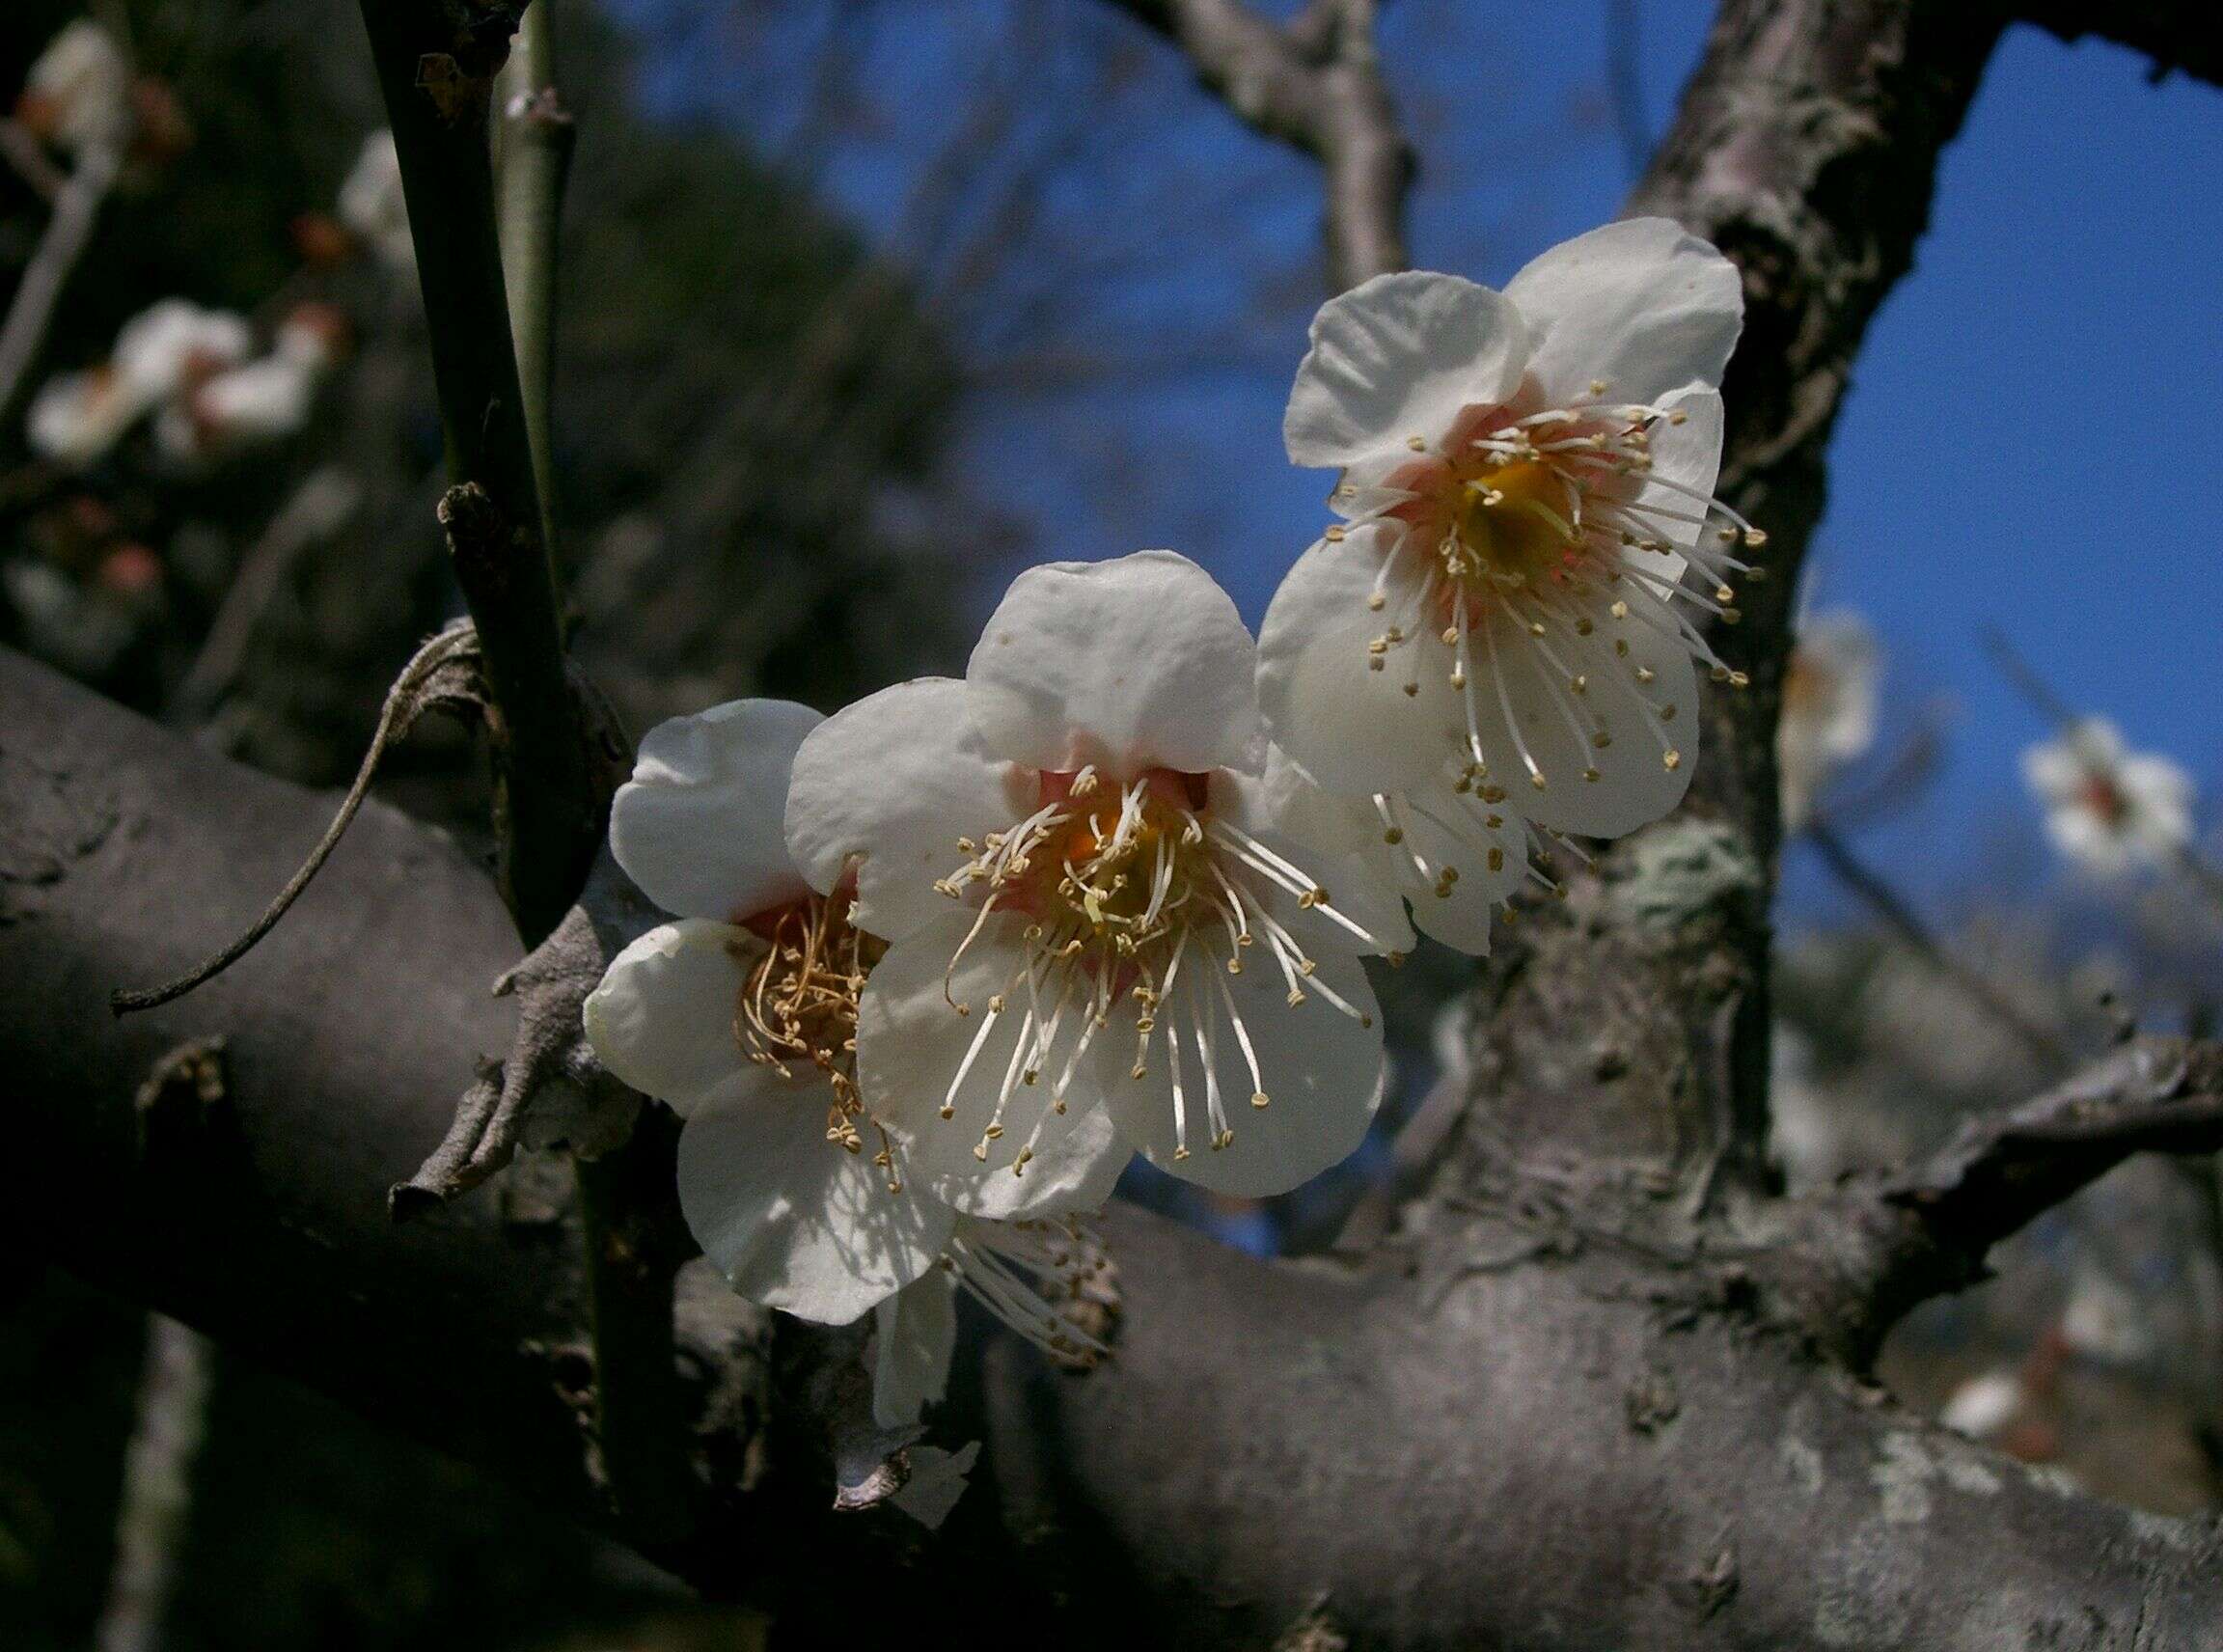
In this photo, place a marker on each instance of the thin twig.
(1316, 85)
(157, 1495)
(76, 208)
(437, 80)
(1887, 904)
(537, 137)
(327, 497)
(625, 1195)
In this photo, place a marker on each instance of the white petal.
(1635, 785)
(1353, 728)
(1442, 828)
(894, 781)
(1642, 304)
(1689, 455)
(701, 826)
(911, 1045)
(1321, 1069)
(792, 1220)
(155, 348)
(915, 1336)
(662, 1020)
(1396, 357)
(1289, 819)
(2055, 771)
(1133, 663)
(938, 1479)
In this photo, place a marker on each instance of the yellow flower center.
(1511, 524)
(798, 1004)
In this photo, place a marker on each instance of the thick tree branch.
(2185, 35)
(1314, 84)
(1513, 1430)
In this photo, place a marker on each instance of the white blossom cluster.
(943, 963)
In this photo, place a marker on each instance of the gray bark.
(1601, 1387)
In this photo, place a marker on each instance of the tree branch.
(1316, 85)
(69, 229)
(436, 74)
(1509, 1421)
(2183, 35)
(1864, 1252)
(552, 756)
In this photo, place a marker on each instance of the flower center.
(1511, 525)
(798, 1007)
(2105, 800)
(1131, 893)
(1531, 531)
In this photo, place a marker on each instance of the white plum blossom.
(1491, 633)
(77, 417)
(161, 357)
(78, 95)
(1829, 713)
(2110, 810)
(372, 208)
(258, 401)
(741, 1015)
(1093, 915)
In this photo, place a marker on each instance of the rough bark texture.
(1507, 1428)
(1601, 1388)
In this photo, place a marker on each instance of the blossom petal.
(662, 1020)
(912, 1047)
(1321, 1069)
(938, 1479)
(915, 1336)
(1356, 729)
(1137, 662)
(1642, 304)
(1446, 828)
(1396, 357)
(701, 826)
(1635, 784)
(792, 1220)
(1688, 456)
(894, 781)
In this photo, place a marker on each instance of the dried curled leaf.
(445, 676)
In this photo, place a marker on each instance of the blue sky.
(2009, 454)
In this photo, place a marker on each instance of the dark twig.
(1864, 881)
(1316, 86)
(551, 805)
(1887, 1241)
(436, 63)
